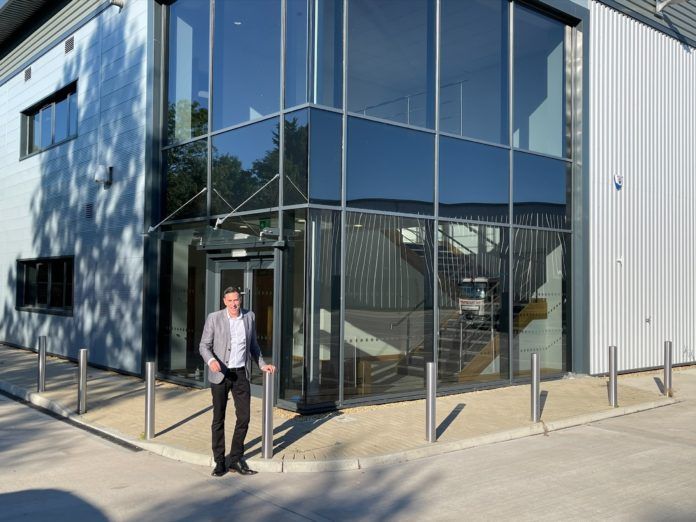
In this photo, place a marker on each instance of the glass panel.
(326, 129)
(42, 284)
(389, 304)
(262, 299)
(186, 174)
(323, 344)
(72, 101)
(57, 283)
(474, 181)
(541, 305)
(539, 86)
(474, 69)
(296, 152)
(293, 311)
(35, 132)
(391, 60)
(246, 61)
(62, 121)
(182, 308)
(244, 160)
(541, 191)
(389, 168)
(29, 284)
(189, 29)
(69, 283)
(46, 126)
(327, 56)
(472, 270)
(296, 52)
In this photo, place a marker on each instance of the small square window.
(50, 122)
(45, 285)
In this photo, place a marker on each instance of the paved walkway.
(350, 439)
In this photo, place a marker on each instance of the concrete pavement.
(351, 439)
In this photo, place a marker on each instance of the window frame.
(24, 285)
(67, 93)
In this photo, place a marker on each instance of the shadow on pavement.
(36, 504)
(449, 419)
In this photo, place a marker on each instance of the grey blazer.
(215, 343)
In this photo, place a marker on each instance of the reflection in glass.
(245, 161)
(327, 55)
(541, 191)
(35, 132)
(474, 181)
(391, 60)
(325, 130)
(541, 263)
(323, 314)
(539, 84)
(296, 145)
(188, 70)
(474, 70)
(389, 168)
(246, 61)
(296, 66)
(46, 124)
(186, 174)
(293, 312)
(388, 303)
(72, 113)
(472, 271)
(62, 122)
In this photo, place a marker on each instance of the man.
(228, 346)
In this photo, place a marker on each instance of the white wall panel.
(642, 237)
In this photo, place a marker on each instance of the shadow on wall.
(70, 214)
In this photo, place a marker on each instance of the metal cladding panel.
(677, 19)
(643, 236)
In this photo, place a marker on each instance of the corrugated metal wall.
(642, 237)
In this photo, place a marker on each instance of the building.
(389, 182)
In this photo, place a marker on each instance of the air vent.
(69, 44)
(27, 74)
(89, 210)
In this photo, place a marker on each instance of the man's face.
(233, 303)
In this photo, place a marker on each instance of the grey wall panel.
(677, 20)
(642, 240)
(43, 197)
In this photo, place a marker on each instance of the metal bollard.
(82, 382)
(267, 416)
(667, 381)
(431, 394)
(41, 377)
(150, 400)
(536, 385)
(613, 388)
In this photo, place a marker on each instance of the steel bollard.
(667, 381)
(267, 417)
(150, 368)
(613, 388)
(41, 377)
(82, 382)
(536, 385)
(431, 394)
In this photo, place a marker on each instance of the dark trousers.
(237, 382)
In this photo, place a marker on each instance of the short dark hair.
(232, 290)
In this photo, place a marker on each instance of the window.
(50, 122)
(45, 284)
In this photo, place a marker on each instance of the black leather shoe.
(241, 467)
(219, 470)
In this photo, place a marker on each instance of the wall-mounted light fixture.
(118, 3)
(103, 175)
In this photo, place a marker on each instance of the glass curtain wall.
(373, 185)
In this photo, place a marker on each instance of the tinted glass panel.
(474, 70)
(296, 52)
(246, 61)
(62, 122)
(391, 60)
(474, 181)
(46, 126)
(327, 55)
(389, 168)
(540, 100)
(472, 271)
(57, 283)
(35, 132)
(246, 161)
(296, 152)
(72, 109)
(325, 130)
(541, 188)
(540, 301)
(388, 304)
(186, 174)
(189, 29)
(42, 283)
